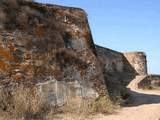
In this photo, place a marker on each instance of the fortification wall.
(137, 61)
(52, 45)
(120, 68)
(126, 64)
(40, 43)
(112, 61)
(150, 82)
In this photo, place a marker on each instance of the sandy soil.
(146, 105)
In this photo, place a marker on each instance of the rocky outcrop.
(50, 46)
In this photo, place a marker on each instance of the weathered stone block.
(60, 92)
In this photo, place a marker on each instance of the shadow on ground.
(142, 99)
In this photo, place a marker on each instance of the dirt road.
(146, 105)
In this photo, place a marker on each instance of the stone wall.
(126, 63)
(52, 47)
(61, 92)
(39, 42)
(120, 68)
(111, 60)
(138, 61)
(150, 82)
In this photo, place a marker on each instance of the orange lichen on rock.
(54, 45)
(18, 76)
(6, 54)
(28, 68)
(3, 66)
(40, 30)
(57, 73)
(11, 47)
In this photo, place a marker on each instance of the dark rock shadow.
(150, 82)
(142, 99)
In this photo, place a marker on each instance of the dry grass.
(23, 103)
(83, 109)
(89, 106)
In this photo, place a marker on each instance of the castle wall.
(138, 61)
(40, 42)
(150, 82)
(133, 63)
(111, 60)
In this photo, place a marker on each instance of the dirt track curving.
(146, 105)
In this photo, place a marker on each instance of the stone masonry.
(51, 46)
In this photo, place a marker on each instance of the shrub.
(22, 102)
(89, 106)
(102, 105)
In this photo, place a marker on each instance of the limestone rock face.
(41, 43)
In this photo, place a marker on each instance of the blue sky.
(124, 25)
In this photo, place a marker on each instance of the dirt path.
(146, 105)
